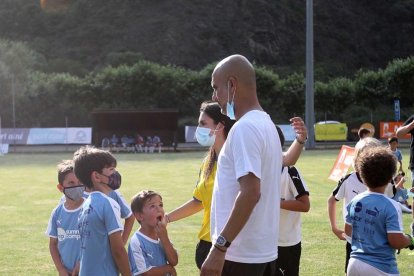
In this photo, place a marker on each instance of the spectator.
(139, 143)
(393, 143)
(124, 142)
(363, 132)
(156, 140)
(105, 145)
(149, 145)
(114, 142)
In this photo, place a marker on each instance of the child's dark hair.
(64, 168)
(377, 166)
(90, 159)
(392, 139)
(363, 132)
(213, 110)
(138, 201)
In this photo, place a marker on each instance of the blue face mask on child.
(203, 136)
(230, 106)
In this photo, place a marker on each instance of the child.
(348, 187)
(374, 221)
(114, 183)
(64, 242)
(393, 143)
(150, 249)
(294, 199)
(401, 194)
(102, 247)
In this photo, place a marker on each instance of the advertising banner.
(388, 129)
(331, 132)
(342, 163)
(46, 136)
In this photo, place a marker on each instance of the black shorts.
(236, 269)
(348, 255)
(202, 250)
(288, 260)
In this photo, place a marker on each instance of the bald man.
(246, 202)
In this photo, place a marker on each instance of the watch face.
(221, 241)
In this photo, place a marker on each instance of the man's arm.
(403, 130)
(54, 252)
(332, 217)
(245, 202)
(119, 253)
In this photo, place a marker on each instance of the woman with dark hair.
(213, 128)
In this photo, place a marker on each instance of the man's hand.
(214, 263)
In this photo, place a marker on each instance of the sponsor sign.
(343, 162)
(388, 129)
(46, 136)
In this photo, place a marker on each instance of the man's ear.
(60, 187)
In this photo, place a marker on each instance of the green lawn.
(28, 194)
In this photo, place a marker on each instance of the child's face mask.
(114, 180)
(74, 193)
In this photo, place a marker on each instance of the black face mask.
(114, 180)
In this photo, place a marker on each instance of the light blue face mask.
(203, 136)
(230, 106)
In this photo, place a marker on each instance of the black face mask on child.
(114, 180)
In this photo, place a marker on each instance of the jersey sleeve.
(137, 261)
(393, 221)
(339, 192)
(51, 230)
(112, 216)
(297, 185)
(246, 149)
(125, 210)
(348, 219)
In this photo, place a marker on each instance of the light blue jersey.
(124, 207)
(99, 218)
(372, 216)
(145, 253)
(63, 226)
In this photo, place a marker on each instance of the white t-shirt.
(252, 146)
(291, 187)
(348, 187)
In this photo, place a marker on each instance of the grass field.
(28, 194)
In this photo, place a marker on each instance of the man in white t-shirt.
(245, 206)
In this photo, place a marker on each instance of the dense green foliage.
(45, 99)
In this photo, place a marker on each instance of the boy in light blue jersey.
(150, 250)
(100, 227)
(374, 221)
(64, 238)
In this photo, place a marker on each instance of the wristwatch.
(221, 241)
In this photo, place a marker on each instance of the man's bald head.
(238, 67)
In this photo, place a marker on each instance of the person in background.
(374, 221)
(393, 144)
(408, 128)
